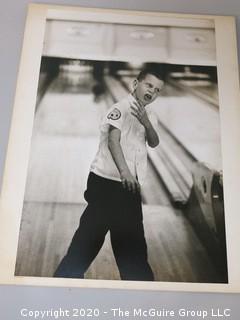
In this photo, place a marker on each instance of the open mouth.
(147, 97)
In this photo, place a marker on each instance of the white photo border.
(16, 165)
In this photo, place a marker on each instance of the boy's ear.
(135, 83)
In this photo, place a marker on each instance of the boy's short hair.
(144, 72)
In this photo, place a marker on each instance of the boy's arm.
(128, 181)
(151, 135)
(140, 113)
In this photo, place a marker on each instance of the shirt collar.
(131, 98)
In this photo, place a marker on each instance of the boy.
(113, 188)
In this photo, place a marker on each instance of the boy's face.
(146, 90)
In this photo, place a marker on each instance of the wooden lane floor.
(174, 251)
(64, 142)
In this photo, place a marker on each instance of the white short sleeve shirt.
(133, 143)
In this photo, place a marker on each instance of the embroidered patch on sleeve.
(115, 114)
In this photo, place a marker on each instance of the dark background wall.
(12, 21)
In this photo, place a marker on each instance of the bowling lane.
(64, 142)
(195, 123)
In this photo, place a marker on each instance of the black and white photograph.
(124, 179)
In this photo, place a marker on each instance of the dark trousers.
(110, 208)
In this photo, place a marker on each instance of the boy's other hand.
(129, 182)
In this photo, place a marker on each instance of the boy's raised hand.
(139, 112)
